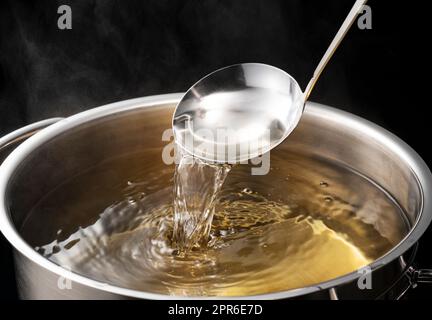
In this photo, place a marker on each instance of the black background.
(125, 49)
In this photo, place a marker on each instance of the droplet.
(223, 233)
(131, 201)
(247, 190)
(328, 199)
(323, 184)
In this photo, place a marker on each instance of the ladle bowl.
(238, 112)
(70, 146)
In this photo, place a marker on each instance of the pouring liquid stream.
(196, 187)
(197, 183)
(249, 237)
(305, 222)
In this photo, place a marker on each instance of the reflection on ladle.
(239, 112)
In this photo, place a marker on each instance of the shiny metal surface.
(63, 149)
(242, 111)
(237, 113)
(13, 139)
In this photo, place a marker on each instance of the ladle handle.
(349, 20)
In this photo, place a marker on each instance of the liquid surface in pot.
(305, 222)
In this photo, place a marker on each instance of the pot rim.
(409, 156)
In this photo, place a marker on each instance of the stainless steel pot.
(62, 149)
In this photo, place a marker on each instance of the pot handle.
(415, 277)
(418, 276)
(13, 139)
(409, 279)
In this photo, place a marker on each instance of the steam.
(125, 49)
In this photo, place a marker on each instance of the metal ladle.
(242, 111)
